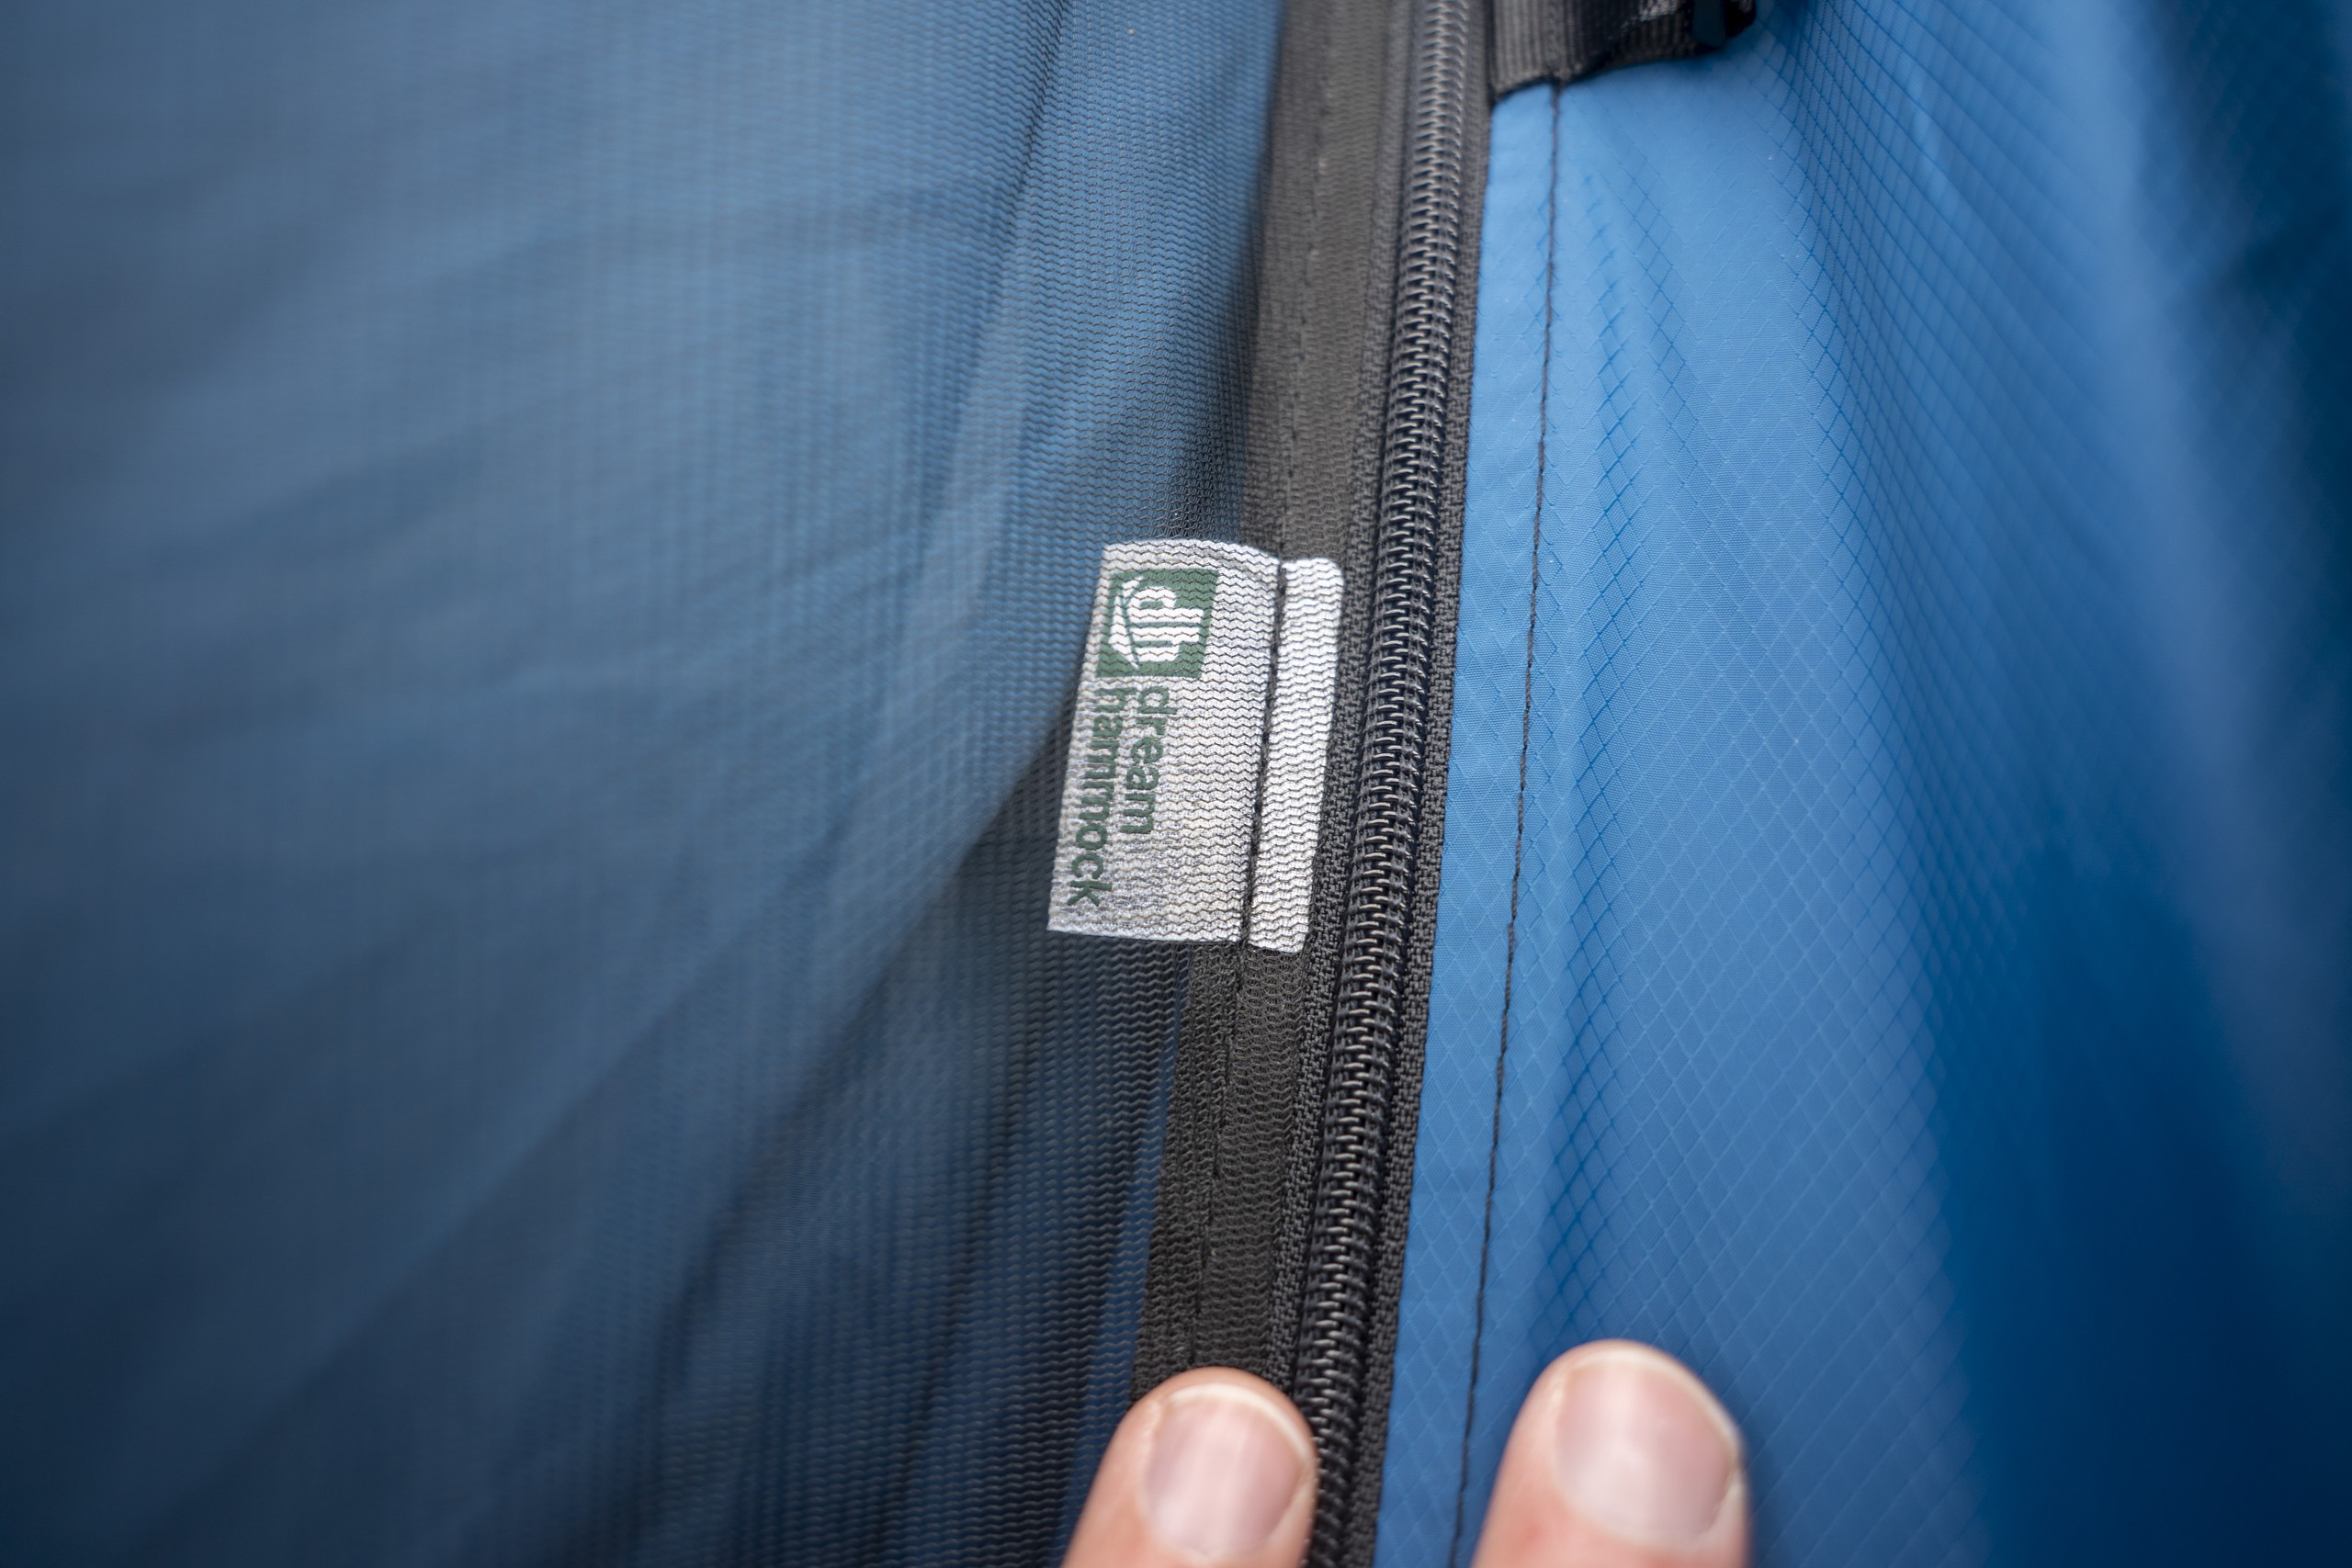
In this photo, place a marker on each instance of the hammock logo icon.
(1159, 623)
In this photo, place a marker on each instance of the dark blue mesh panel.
(1911, 978)
(540, 548)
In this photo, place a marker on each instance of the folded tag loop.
(1185, 715)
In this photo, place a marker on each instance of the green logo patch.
(1159, 623)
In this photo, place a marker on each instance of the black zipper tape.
(1341, 1368)
(1237, 1168)
(1277, 1238)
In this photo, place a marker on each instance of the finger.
(1211, 1467)
(1620, 1459)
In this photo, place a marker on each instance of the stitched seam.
(1518, 841)
(1288, 503)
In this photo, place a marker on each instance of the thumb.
(1620, 1459)
(1211, 1467)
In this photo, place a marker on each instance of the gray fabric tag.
(1180, 756)
(1165, 745)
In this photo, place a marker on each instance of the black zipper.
(1285, 1178)
(1341, 1287)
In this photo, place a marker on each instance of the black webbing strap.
(1564, 41)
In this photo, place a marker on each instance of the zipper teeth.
(1342, 1247)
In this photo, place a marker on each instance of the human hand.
(1620, 1459)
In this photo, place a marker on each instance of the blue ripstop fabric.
(541, 548)
(1895, 948)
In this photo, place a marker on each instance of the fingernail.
(1639, 1451)
(1222, 1473)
